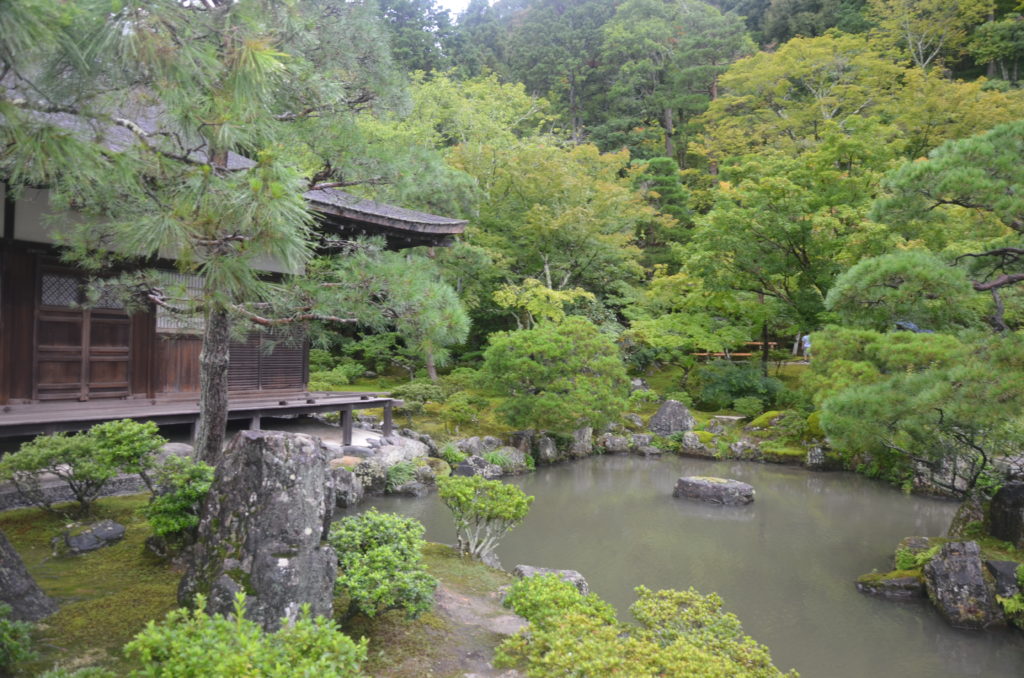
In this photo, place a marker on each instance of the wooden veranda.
(26, 419)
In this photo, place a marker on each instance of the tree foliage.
(484, 511)
(558, 377)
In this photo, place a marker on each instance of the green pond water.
(785, 564)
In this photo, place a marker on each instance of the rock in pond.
(956, 584)
(93, 537)
(902, 587)
(477, 466)
(571, 576)
(262, 529)
(714, 490)
(18, 589)
(671, 417)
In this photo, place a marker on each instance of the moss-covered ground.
(105, 597)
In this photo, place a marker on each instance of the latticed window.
(60, 290)
(186, 288)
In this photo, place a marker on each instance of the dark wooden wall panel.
(143, 354)
(176, 368)
(18, 289)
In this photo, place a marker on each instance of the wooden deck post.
(389, 426)
(254, 423)
(346, 426)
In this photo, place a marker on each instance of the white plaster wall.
(34, 221)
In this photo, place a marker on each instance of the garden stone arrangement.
(714, 490)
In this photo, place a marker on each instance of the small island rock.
(714, 490)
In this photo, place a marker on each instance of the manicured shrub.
(545, 597)
(193, 643)
(174, 510)
(679, 633)
(85, 461)
(484, 511)
(15, 640)
(380, 564)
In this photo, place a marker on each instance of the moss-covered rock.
(895, 585)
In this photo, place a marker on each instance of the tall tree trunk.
(764, 349)
(669, 127)
(431, 364)
(213, 385)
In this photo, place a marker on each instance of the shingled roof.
(350, 215)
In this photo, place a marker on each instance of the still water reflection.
(784, 564)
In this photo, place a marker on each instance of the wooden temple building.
(65, 365)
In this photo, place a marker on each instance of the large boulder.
(397, 449)
(1004, 577)
(18, 589)
(671, 417)
(955, 579)
(478, 446)
(1006, 514)
(348, 488)
(582, 444)
(714, 490)
(545, 450)
(477, 466)
(972, 510)
(373, 475)
(516, 459)
(571, 576)
(614, 444)
(262, 529)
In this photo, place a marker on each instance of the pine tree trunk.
(431, 364)
(213, 385)
(669, 127)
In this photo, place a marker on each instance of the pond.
(785, 564)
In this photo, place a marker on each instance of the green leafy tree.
(1001, 44)
(928, 29)
(666, 58)
(554, 48)
(558, 377)
(380, 565)
(484, 511)
(193, 643)
(420, 32)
